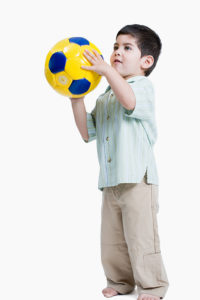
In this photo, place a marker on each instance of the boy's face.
(127, 53)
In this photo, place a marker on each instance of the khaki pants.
(130, 245)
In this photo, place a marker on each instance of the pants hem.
(121, 290)
(161, 292)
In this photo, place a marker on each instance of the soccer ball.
(63, 67)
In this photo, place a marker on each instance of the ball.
(63, 67)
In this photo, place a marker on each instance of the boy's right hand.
(74, 100)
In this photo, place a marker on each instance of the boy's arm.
(119, 85)
(80, 116)
(121, 88)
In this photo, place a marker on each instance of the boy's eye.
(126, 47)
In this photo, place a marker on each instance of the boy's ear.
(147, 61)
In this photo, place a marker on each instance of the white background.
(50, 203)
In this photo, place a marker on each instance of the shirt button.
(107, 138)
(109, 160)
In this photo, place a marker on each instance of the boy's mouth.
(117, 61)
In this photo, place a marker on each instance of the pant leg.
(139, 205)
(114, 251)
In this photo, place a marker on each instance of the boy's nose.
(117, 52)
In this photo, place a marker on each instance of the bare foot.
(147, 297)
(109, 292)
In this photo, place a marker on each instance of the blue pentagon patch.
(79, 86)
(79, 40)
(57, 62)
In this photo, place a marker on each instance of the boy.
(123, 123)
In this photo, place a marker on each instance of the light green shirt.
(125, 138)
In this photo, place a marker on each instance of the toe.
(109, 292)
(147, 297)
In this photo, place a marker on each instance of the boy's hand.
(74, 100)
(98, 64)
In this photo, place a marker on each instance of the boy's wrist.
(112, 76)
(108, 70)
(76, 100)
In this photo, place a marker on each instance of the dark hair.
(147, 41)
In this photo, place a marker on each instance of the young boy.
(123, 123)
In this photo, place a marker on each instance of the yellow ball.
(63, 67)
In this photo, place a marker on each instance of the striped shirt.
(125, 138)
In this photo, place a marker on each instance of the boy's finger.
(88, 53)
(97, 54)
(95, 51)
(86, 68)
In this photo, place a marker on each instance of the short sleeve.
(144, 94)
(91, 125)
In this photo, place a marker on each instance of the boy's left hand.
(98, 64)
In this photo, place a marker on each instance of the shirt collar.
(135, 78)
(130, 80)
